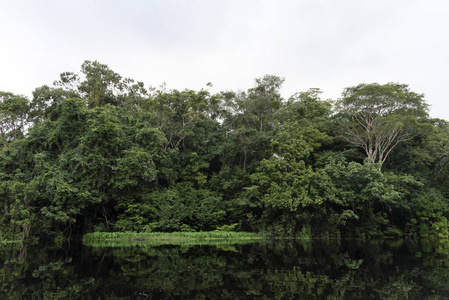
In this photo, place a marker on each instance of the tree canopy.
(97, 152)
(379, 117)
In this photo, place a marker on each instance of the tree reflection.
(278, 269)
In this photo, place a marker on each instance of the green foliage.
(16, 211)
(432, 212)
(46, 101)
(379, 117)
(176, 113)
(115, 239)
(361, 197)
(227, 228)
(98, 152)
(13, 110)
(180, 208)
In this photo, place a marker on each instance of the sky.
(322, 44)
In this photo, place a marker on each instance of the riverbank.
(115, 239)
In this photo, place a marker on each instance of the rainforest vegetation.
(96, 152)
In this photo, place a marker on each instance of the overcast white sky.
(312, 43)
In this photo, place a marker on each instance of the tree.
(46, 101)
(250, 118)
(286, 182)
(100, 86)
(438, 145)
(379, 117)
(284, 178)
(176, 113)
(263, 101)
(13, 112)
(255, 108)
(307, 106)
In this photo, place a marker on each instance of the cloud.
(324, 43)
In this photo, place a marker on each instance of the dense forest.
(98, 152)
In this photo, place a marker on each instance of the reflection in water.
(267, 270)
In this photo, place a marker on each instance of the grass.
(120, 239)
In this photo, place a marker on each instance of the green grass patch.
(120, 239)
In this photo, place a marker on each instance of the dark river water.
(279, 269)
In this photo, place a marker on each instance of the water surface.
(279, 269)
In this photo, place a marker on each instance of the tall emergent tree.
(99, 85)
(250, 117)
(379, 117)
